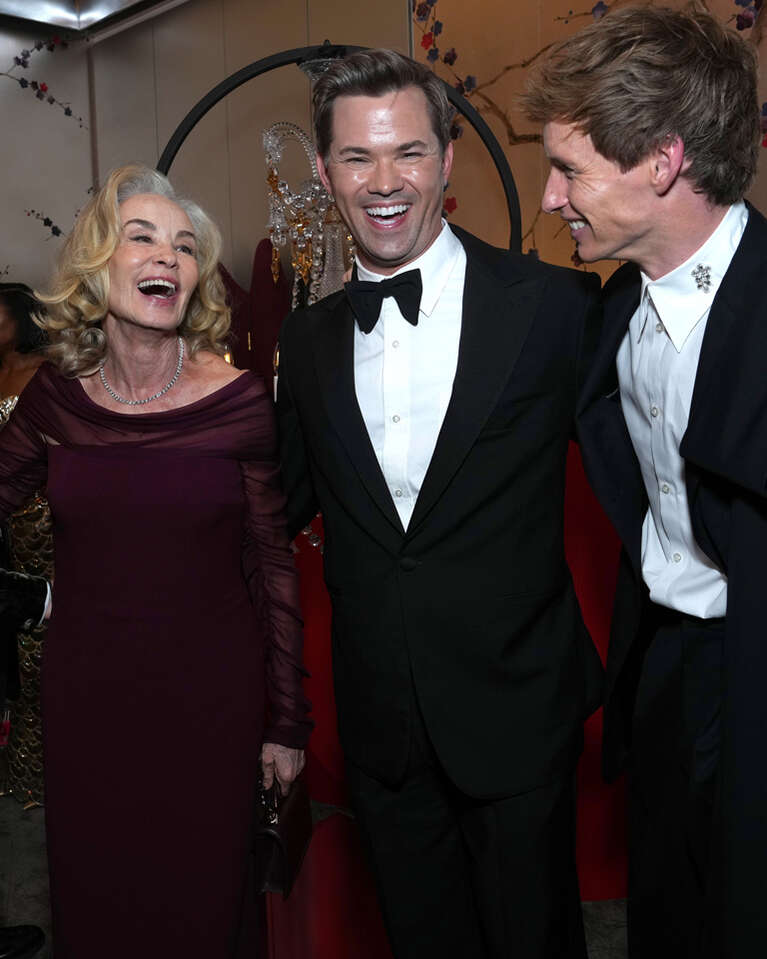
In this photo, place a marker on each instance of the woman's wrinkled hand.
(283, 763)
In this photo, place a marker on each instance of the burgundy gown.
(175, 638)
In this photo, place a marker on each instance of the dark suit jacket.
(725, 449)
(474, 600)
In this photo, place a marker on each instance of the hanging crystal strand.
(299, 218)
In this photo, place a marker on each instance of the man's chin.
(381, 261)
(587, 255)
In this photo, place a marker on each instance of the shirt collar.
(678, 299)
(435, 264)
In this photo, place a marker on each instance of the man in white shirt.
(651, 125)
(427, 411)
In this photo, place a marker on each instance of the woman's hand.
(283, 762)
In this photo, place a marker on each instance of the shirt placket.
(396, 404)
(662, 363)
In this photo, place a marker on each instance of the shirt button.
(677, 557)
(654, 411)
(658, 327)
(398, 492)
(395, 418)
(665, 488)
(395, 344)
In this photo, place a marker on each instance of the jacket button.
(407, 564)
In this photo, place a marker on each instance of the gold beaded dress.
(31, 550)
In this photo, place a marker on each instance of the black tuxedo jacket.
(725, 451)
(473, 606)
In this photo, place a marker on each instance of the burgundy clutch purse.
(283, 831)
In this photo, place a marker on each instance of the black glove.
(22, 600)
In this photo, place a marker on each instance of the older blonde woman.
(174, 648)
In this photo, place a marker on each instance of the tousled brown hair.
(373, 73)
(642, 75)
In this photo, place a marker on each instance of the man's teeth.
(157, 287)
(387, 211)
(577, 224)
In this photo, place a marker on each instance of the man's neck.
(679, 234)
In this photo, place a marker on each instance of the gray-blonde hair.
(79, 294)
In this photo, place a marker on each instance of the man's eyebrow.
(401, 148)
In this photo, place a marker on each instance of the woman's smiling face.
(153, 272)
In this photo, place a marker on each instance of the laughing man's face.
(605, 208)
(387, 173)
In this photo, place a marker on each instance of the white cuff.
(47, 606)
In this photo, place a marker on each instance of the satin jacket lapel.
(334, 361)
(495, 322)
(731, 308)
(712, 439)
(721, 319)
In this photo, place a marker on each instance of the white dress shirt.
(403, 374)
(657, 364)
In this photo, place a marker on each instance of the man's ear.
(667, 162)
(323, 174)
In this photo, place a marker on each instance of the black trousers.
(674, 800)
(460, 878)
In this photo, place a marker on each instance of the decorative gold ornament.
(307, 219)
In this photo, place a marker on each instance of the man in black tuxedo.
(651, 124)
(427, 410)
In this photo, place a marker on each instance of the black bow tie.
(366, 297)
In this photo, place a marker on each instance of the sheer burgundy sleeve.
(23, 461)
(273, 584)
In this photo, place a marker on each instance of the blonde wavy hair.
(78, 299)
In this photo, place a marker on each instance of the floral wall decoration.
(483, 78)
(19, 73)
(46, 221)
(45, 103)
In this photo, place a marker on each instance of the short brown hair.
(79, 295)
(372, 73)
(642, 75)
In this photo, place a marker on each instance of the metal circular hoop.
(329, 51)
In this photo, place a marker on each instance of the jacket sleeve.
(589, 334)
(296, 475)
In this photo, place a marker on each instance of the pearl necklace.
(155, 396)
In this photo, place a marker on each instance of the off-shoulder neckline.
(246, 377)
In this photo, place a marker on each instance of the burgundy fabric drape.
(332, 912)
